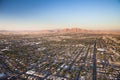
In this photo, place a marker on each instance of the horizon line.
(60, 29)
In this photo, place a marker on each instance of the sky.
(58, 14)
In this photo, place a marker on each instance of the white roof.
(30, 72)
(101, 49)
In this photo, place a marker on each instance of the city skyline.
(52, 14)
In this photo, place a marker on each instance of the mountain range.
(65, 30)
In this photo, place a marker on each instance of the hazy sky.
(56, 14)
